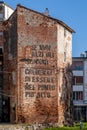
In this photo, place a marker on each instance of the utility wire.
(7, 95)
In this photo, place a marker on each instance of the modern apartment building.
(80, 87)
(5, 11)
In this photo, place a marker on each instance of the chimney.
(46, 12)
(86, 53)
(82, 55)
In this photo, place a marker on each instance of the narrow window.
(78, 95)
(79, 80)
(64, 56)
(65, 31)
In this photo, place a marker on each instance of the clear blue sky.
(72, 12)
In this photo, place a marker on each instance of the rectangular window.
(77, 80)
(73, 80)
(64, 56)
(77, 65)
(1, 56)
(78, 95)
(65, 31)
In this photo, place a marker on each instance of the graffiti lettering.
(44, 47)
(33, 71)
(46, 87)
(29, 86)
(43, 95)
(29, 94)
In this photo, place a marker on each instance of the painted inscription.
(40, 82)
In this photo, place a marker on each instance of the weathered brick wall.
(37, 44)
(40, 58)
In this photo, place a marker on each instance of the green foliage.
(64, 128)
(75, 127)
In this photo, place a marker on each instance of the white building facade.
(80, 88)
(5, 11)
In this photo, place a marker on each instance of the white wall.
(77, 73)
(8, 12)
(64, 45)
(77, 87)
(85, 80)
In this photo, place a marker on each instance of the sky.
(72, 12)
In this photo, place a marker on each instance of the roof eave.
(57, 20)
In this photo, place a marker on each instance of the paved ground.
(15, 127)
